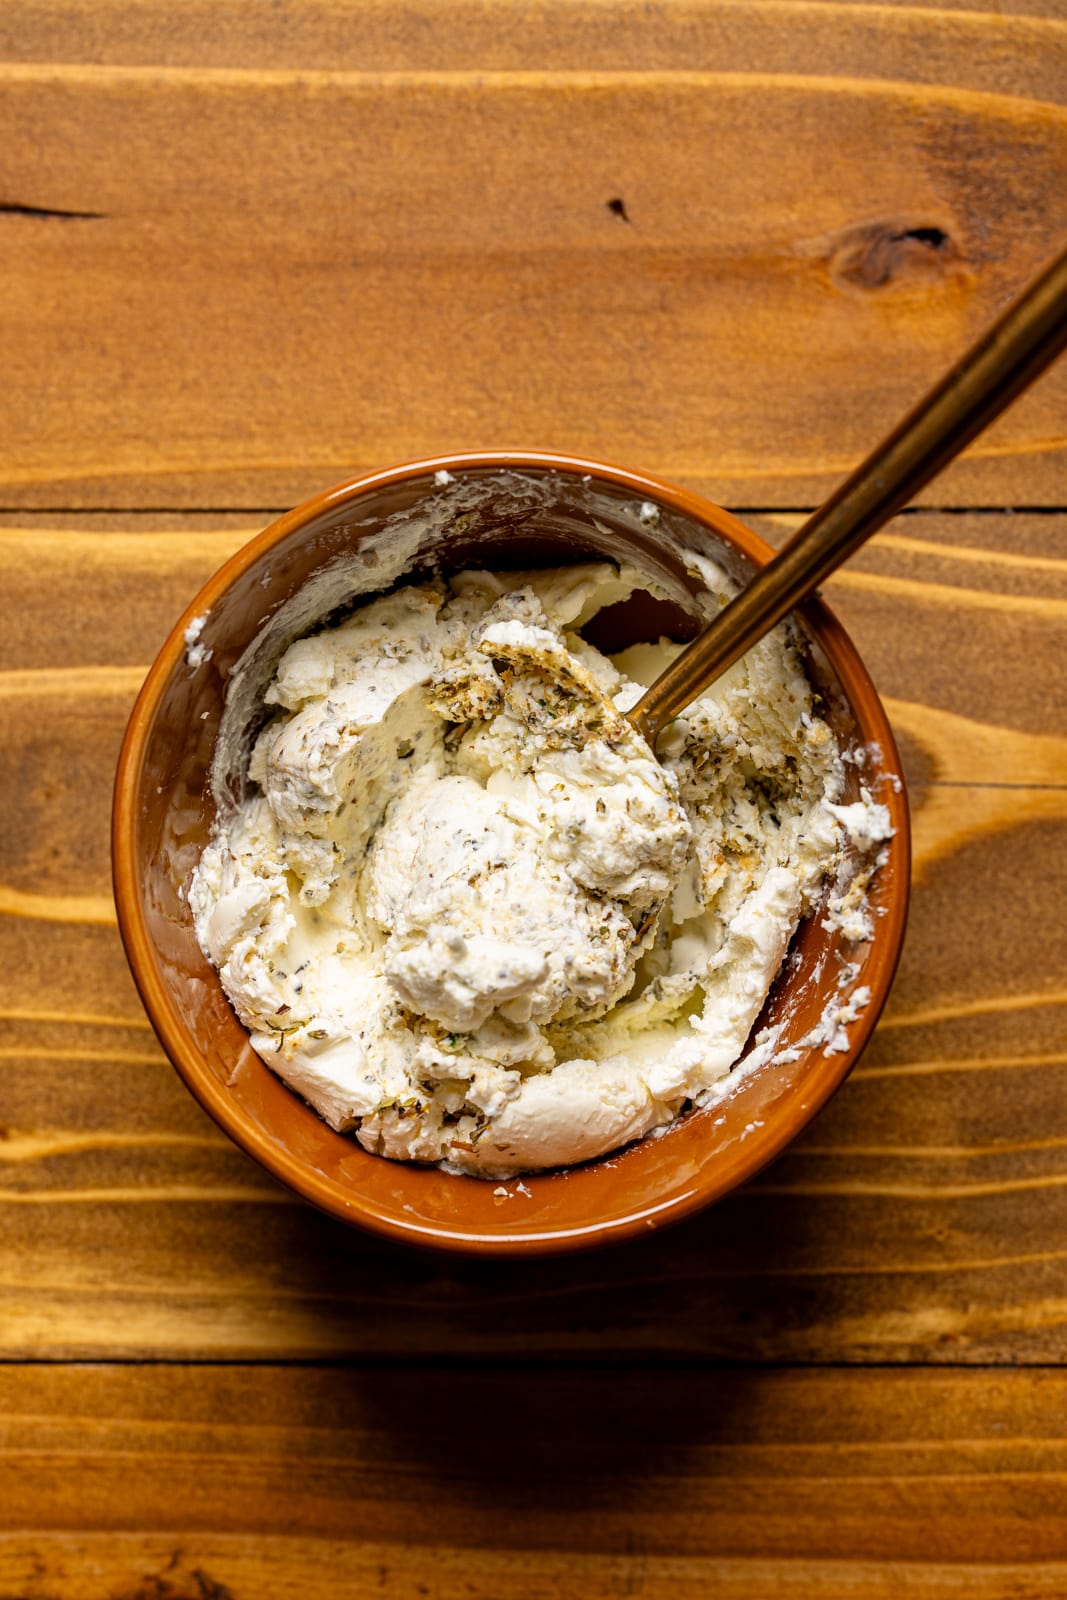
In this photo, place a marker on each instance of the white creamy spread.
(471, 918)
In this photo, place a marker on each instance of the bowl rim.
(736, 1166)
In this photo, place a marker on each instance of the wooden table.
(247, 249)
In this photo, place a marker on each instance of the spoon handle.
(997, 368)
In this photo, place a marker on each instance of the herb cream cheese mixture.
(471, 918)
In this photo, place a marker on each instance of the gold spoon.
(996, 369)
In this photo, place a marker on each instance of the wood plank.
(237, 1567)
(288, 1567)
(1010, 47)
(921, 1218)
(219, 1484)
(293, 274)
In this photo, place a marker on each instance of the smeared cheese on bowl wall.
(470, 917)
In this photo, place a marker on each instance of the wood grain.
(299, 270)
(1010, 46)
(241, 1567)
(161, 1483)
(922, 1217)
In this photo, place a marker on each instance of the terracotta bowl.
(505, 509)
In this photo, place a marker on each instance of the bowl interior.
(497, 511)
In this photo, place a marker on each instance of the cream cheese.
(471, 918)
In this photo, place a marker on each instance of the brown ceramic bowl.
(503, 509)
